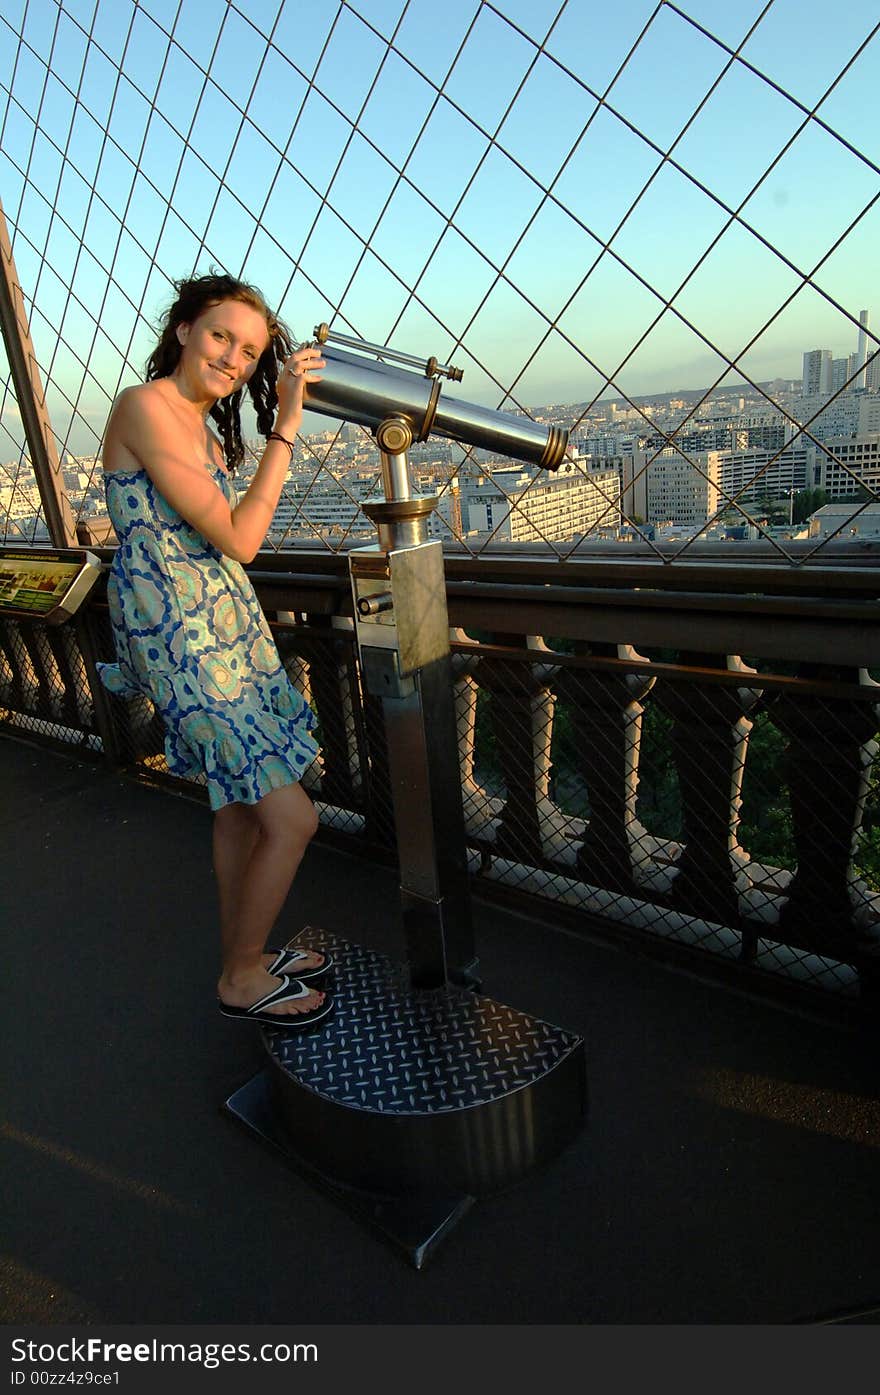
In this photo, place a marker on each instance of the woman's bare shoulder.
(137, 417)
(139, 399)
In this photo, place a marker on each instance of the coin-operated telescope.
(401, 622)
(448, 1095)
(371, 391)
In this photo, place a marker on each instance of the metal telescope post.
(402, 630)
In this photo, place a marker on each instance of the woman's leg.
(257, 850)
(236, 831)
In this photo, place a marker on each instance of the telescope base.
(413, 1224)
(408, 1104)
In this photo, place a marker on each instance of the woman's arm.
(143, 430)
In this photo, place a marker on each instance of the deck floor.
(727, 1173)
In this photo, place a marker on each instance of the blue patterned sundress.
(190, 635)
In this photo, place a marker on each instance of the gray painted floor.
(727, 1173)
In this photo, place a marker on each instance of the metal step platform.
(409, 1104)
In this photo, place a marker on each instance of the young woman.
(189, 631)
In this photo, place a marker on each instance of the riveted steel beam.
(31, 398)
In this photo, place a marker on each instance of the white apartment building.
(850, 414)
(817, 372)
(332, 510)
(747, 475)
(678, 491)
(326, 510)
(856, 462)
(518, 507)
(843, 370)
(630, 465)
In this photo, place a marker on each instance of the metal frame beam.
(31, 398)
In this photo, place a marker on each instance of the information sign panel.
(40, 584)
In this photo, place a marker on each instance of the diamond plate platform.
(407, 1092)
(415, 1224)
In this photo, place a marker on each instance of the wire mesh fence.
(582, 226)
(732, 812)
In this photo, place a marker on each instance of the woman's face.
(221, 348)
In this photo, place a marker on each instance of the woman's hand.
(303, 366)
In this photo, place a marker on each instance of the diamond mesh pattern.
(734, 814)
(394, 171)
(45, 693)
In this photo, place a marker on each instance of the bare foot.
(243, 990)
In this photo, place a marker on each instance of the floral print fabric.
(190, 636)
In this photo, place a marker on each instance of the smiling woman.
(188, 629)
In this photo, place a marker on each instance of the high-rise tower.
(817, 372)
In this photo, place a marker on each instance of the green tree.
(806, 502)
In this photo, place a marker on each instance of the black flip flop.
(286, 962)
(288, 991)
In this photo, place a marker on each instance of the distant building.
(767, 433)
(748, 475)
(846, 521)
(631, 466)
(851, 414)
(843, 371)
(854, 462)
(824, 375)
(517, 506)
(328, 509)
(817, 372)
(680, 491)
(447, 521)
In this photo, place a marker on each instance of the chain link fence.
(566, 208)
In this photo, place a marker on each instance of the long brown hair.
(195, 295)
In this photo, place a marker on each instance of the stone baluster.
(831, 749)
(521, 714)
(8, 673)
(481, 809)
(74, 670)
(711, 727)
(606, 715)
(28, 681)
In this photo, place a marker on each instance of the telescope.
(398, 586)
(402, 627)
(372, 390)
(442, 1094)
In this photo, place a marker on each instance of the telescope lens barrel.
(502, 432)
(365, 391)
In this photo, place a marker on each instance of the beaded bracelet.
(276, 436)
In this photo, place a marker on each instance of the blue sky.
(355, 189)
